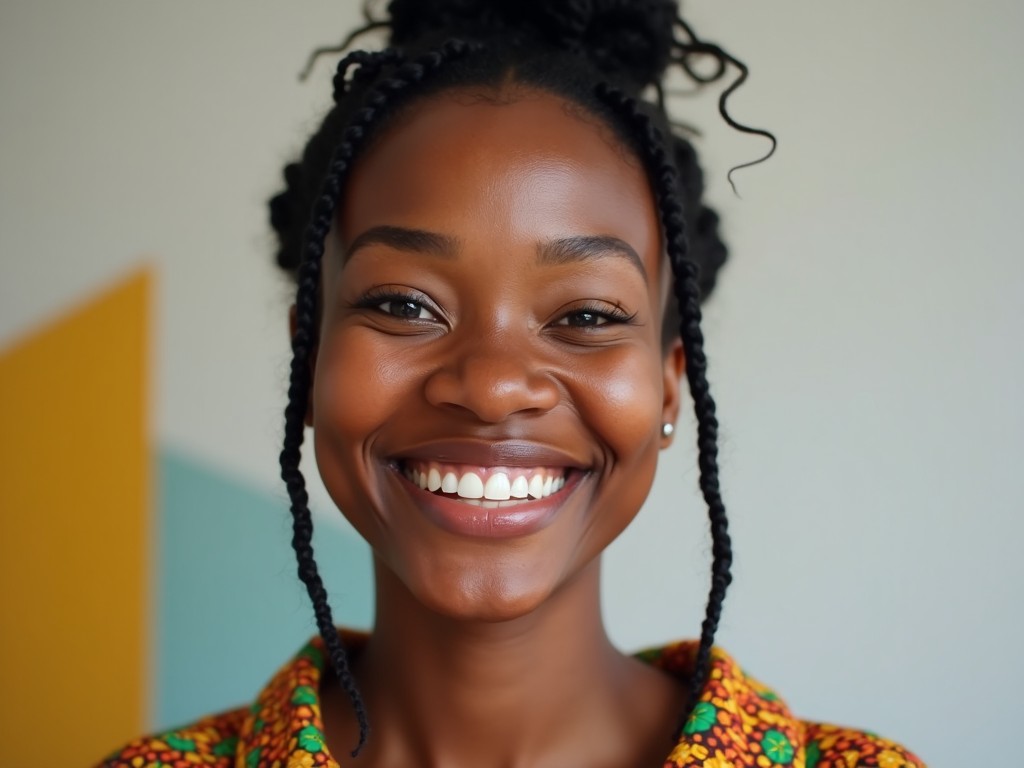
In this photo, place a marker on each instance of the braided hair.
(603, 55)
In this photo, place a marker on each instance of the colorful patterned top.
(739, 723)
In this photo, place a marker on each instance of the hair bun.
(286, 220)
(631, 38)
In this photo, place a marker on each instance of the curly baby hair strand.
(304, 338)
(341, 47)
(723, 59)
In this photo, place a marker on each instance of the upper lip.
(497, 453)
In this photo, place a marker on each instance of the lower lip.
(489, 522)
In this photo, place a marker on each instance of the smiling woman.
(499, 250)
(514, 344)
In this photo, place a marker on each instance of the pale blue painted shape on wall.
(229, 607)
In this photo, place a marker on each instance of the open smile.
(490, 502)
(486, 484)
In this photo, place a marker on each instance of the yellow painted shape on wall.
(74, 525)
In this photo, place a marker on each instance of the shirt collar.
(736, 720)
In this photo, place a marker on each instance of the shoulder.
(740, 721)
(834, 746)
(211, 741)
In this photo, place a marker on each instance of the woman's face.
(492, 299)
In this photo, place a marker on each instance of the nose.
(492, 381)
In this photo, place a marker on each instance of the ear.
(292, 325)
(674, 366)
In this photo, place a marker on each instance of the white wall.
(865, 341)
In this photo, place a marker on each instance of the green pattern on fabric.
(227, 747)
(176, 742)
(313, 654)
(813, 755)
(311, 740)
(304, 695)
(777, 747)
(703, 717)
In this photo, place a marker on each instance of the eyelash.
(615, 316)
(377, 298)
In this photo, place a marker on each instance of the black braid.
(370, 63)
(304, 339)
(687, 294)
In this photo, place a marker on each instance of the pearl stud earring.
(667, 429)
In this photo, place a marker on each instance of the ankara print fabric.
(738, 723)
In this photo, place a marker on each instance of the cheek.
(623, 411)
(622, 404)
(357, 383)
(344, 407)
(357, 387)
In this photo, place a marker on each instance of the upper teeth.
(494, 484)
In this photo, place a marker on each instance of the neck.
(539, 689)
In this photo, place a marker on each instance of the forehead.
(523, 164)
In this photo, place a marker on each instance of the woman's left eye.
(591, 317)
(407, 309)
(584, 319)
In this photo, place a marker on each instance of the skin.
(482, 647)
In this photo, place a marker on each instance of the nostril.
(492, 388)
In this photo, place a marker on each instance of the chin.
(489, 607)
(500, 588)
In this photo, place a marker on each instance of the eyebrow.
(404, 239)
(584, 247)
(564, 250)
